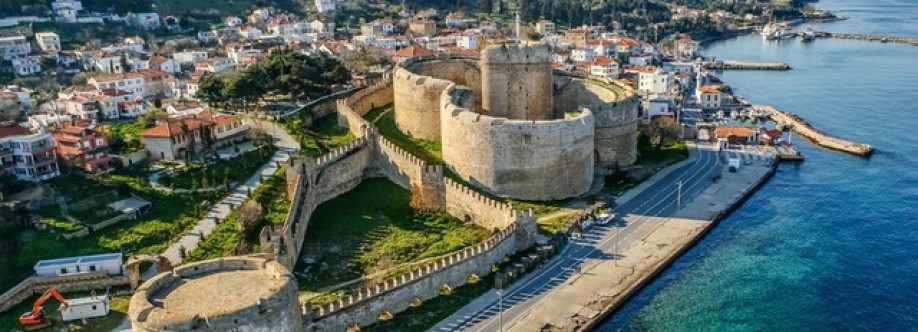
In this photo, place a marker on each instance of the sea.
(829, 244)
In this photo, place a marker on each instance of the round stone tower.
(247, 293)
(516, 82)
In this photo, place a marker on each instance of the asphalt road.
(642, 214)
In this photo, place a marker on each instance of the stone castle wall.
(534, 160)
(615, 109)
(278, 312)
(516, 82)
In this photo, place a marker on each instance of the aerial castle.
(510, 127)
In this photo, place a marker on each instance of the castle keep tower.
(516, 82)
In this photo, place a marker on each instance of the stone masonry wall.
(535, 160)
(616, 112)
(278, 312)
(417, 104)
(516, 82)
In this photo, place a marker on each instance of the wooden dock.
(804, 129)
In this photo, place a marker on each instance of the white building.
(250, 32)
(72, 4)
(111, 263)
(469, 42)
(232, 21)
(189, 57)
(687, 48)
(26, 155)
(86, 307)
(709, 97)
(26, 65)
(131, 82)
(14, 46)
(325, 27)
(585, 54)
(107, 62)
(640, 59)
(325, 5)
(605, 68)
(48, 41)
(653, 80)
(146, 21)
(215, 65)
(658, 105)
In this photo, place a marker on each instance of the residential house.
(709, 97)
(410, 52)
(145, 21)
(165, 64)
(584, 54)
(545, 27)
(131, 82)
(48, 41)
(735, 135)
(108, 62)
(72, 4)
(26, 155)
(469, 42)
(83, 107)
(250, 32)
(660, 105)
(177, 138)
(66, 14)
(228, 129)
(14, 46)
(26, 65)
(79, 144)
(644, 59)
(423, 27)
(155, 83)
(188, 57)
(232, 21)
(325, 5)
(688, 49)
(325, 27)
(605, 68)
(214, 65)
(653, 80)
(184, 108)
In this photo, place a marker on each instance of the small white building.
(48, 41)
(189, 57)
(232, 21)
(14, 46)
(644, 59)
(709, 97)
(73, 4)
(469, 42)
(660, 106)
(111, 263)
(325, 5)
(585, 54)
(605, 68)
(26, 65)
(86, 307)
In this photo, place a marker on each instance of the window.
(92, 268)
(64, 271)
(93, 307)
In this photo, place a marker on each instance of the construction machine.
(36, 318)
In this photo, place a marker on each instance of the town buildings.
(27, 155)
(80, 145)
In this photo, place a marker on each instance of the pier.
(804, 129)
(868, 37)
(739, 65)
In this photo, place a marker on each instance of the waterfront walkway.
(804, 129)
(592, 274)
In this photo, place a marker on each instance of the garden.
(373, 229)
(169, 217)
(223, 173)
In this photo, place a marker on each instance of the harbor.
(870, 37)
(742, 65)
(804, 129)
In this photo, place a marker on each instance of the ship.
(807, 35)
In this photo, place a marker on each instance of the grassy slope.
(239, 168)
(351, 234)
(170, 215)
(429, 151)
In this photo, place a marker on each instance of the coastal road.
(642, 214)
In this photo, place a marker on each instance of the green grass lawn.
(272, 197)
(670, 152)
(168, 218)
(372, 228)
(322, 136)
(237, 169)
(9, 320)
(429, 151)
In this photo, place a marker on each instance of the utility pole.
(500, 309)
(678, 195)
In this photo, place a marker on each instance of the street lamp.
(499, 284)
(678, 195)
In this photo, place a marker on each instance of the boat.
(807, 35)
(777, 31)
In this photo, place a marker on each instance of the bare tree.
(250, 214)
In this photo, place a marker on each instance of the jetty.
(869, 37)
(806, 130)
(740, 65)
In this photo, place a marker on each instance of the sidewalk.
(287, 146)
(488, 299)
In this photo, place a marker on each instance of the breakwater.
(740, 65)
(870, 37)
(804, 129)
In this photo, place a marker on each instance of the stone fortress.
(525, 132)
(510, 127)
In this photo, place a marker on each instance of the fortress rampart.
(516, 82)
(534, 160)
(247, 293)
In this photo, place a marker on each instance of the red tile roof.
(173, 127)
(413, 51)
(13, 130)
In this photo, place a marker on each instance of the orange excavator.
(36, 319)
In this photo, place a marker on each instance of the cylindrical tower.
(248, 293)
(516, 82)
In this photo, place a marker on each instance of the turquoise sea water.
(830, 244)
